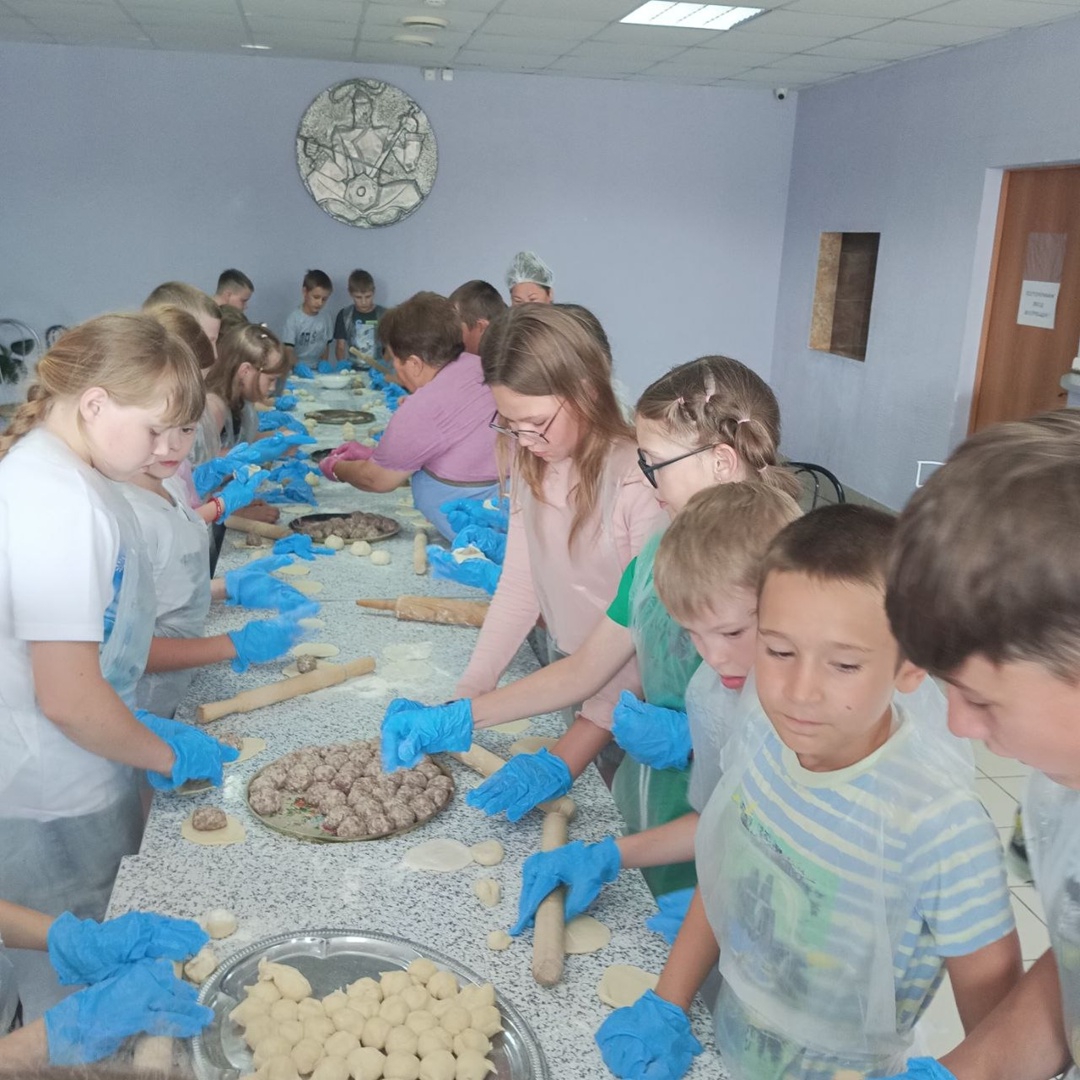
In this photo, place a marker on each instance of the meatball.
(305, 664)
(334, 818)
(352, 828)
(209, 819)
(379, 825)
(331, 800)
(400, 814)
(266, 801)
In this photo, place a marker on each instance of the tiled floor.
(1000, 785)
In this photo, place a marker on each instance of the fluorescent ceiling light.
(246, 46)
(695, 16)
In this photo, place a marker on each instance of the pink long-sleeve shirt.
(572, 589)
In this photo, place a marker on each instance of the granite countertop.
(275, 884)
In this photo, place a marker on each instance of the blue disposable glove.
(198, 756)
(585, 868)
(265, 639)
(302, 371)
(292, 492)
(669, 919)
(409, 731)
(303, 547)
(83, 951)
(238, 493)
(521, 783)
(377, 379)
(291, 470)
(258, 569)
(325, 367)
(211, 474)
(143, 997)
(275, 445)
(462, 512)
(479, 573)
(273, 419)
(651, 1038)
(924, 1068)
(267, 593)
(490, 541)
(285, 402)
(650, 734)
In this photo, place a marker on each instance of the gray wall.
(914, 152)
(662, 208)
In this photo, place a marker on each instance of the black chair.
(817, 473)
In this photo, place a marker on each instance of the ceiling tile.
(777, 43)
(623, 32)
(829, 64)
(416, 7)
(506, 61)
(524, 27)
(206, 22)
(444, 39)
(497, 43)
(863, 49)
(568, 9)
(873, 9)
(580, 65)
(800, 24)
(382, 15)
(911, 32)
(999, 14)
(602, 51)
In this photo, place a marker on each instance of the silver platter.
(330, 959)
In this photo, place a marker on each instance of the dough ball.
(401, 1067)
(313, 478)
(456, 1019)
(306, 1054)
(442, 985)
(420, 1021)
(291, 982)
(331, 1068)
(366, 1063)
(471, 1039)
(334, 542)
(292, 1031)
(395, 982)
(335, 1001)
(472, 1066)
(265, 992)
(367, 1006)
(285, 1009)
(309, 1007)
(319, 1028)
(439, 1006)
(434, 1040)
(487, 891)
(360, 548)
(270, 1047)
(247, 1010)
(474, 995)
(394, 1009)
(438, 1065)
(266, 801)
(487, 852)
(279, 1068)
(380, 558)
(349, 1019)
(202, 965)
(416, 997)
(208, 819)
(401, 1040)
(487, 1019)
(341, 1044)
(499, 940)
(365, 987)
(375, 1032)
(219, 923)
(258, 1029)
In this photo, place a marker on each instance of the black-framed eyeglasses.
(651, 470)
(525, 436)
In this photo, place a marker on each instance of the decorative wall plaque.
(366, 152)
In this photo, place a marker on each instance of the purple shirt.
(442, 428)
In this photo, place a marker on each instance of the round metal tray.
(392, 529)
(330, 959)
(341, 416)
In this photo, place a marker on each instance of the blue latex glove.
(83, 951)
(585, 868)
(265, 639)
(669, 919)
(462, 512)
(302, 371)
(650, 734)
(211, 474)
(924, 1068)
(377, 379)
(325, 367)
(238, 493)
(198, 756)
(490, 541)
(265, 592)
(273, 447)
(651, 1038)
(273, 419)
(521, 783)
(410, 731)
(303, 547)
(258, 569)
(292, 492)
(291, 470)
(286, 402)
(479, 573)
(143, 997)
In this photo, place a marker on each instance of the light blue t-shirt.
(308, 334)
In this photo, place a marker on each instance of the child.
(843, 859)
(984, 590)
(194, 301)
(706, 572)
(529, 280)
(580, 511)
(477, 304)
(356, 325)
(309, 329)
(76, 618)
(234, 289)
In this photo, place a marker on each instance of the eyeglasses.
(525, 436)
(651, 470)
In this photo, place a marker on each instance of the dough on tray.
(202, 965)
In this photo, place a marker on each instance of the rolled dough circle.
(622, 984)
(531, 743)
(294, 570)
(312, 623)
(439, 856)
(232, 833)
(584, 934)
(321, 649)
(308, 587)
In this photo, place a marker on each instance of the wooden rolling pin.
(271, 693)
(259, 528)
(419, 552)
(549, 944)
(432, 609)
(480, 759)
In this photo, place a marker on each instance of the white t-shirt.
(59, 552)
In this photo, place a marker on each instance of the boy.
(706, 574)
(477, 303)
(356, 325)
(234, 289)
(985, 589)
(843, 859)
(308, 329)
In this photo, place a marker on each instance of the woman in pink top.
(580, 511)
(440, 435)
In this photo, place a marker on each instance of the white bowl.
(334, 382)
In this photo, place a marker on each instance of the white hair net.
(528, 266)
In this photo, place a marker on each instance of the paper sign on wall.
(1038, 303)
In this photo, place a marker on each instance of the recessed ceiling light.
(694, 16)
(258, 47)
(433, 22)
(413, 39)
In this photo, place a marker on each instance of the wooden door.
(1037, 246)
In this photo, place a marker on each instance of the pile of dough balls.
(357, 526)
(416, 1024)
(345, 783)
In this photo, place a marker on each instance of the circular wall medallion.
(366, 152)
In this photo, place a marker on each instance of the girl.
(580, 512)
(76, 619)
(711, 421)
